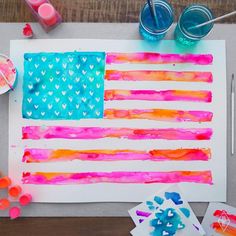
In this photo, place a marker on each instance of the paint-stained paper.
(107, 120)
(220, 219)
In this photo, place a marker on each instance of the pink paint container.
(8, 74)
(36, 3)
(45, 13)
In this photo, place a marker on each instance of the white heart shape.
(43, 86)
(91, 66)
(50, 106)
(37, 93)
(71, 59)
(70, 113)
(98, 85)
(42, 113)
(50, 93)
(29, 113)
(84, 113)
(37, 79)
(44, 99)
(98, 59)
(64, 106)
(70, 86)
(91, 106)
(30, 73)
(97, 99)
(29, 100)
(169, 224)
(98, 113)
(44, 59)
(57, 100)
(77, 92)
(77, 106)
(57, 86)
(77, 66)
(64, 65)
(91, 79)
(30, 86)
(164, 233)
(51, 79)
(84, 59)
(84, 72)
(36, 65)
(98, 73)
(63, 93)
(84, 86)
(36, 106)
(57, 113)
(71, 72)
(64, 79)
(91, 93)
(58, 72)
(57, 59)
(77, 79)
(170, 213)
(43, 72)
(70, 99)
(84, 99)
(50, 66)
(30, 59)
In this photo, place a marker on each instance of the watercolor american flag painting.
(109, 120)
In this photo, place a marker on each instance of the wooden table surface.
(87, 11)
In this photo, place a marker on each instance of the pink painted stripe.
(52, 132)
(201, 177)
(160, 115)
(148, 75)
(158, 58)
(163, 95)
(35, 155)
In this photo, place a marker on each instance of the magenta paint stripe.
(37, 155)
(54, 132)
(203, 177)
(158, 58)
(162, 95)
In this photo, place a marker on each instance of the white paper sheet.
(124, 192)
(224, 218)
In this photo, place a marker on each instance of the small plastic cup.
(165, 18)
(191, 16)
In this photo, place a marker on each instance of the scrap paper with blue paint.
(63, 85)
(167, 220)
(172, 195)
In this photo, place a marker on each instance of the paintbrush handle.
(153, 12)
(213, 20)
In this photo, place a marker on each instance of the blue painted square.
(63, 85)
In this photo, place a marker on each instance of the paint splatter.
(203, 177)
(52, 132)
(158, 58)
(162, 95)
(174, 196)
(231, 217)
(143, 213)
(160, 115)
(185, 211)
(145, 75)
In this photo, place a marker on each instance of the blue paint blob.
(175, 197)
(63, 86)
(185, 211)
(166, 222)
(149, 203)
(158, 200)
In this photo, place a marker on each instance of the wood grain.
(105, 226)
(105, 10)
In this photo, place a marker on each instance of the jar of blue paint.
(190, 17)
(165, 17)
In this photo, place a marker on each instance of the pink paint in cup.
(36, 3)
(8, 74)
(47, 14)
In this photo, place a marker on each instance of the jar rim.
(203, 9)
(170, 10)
